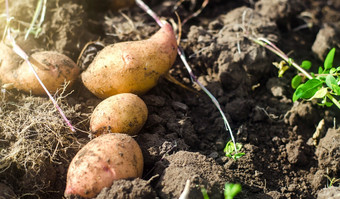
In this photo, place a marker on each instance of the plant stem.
(333, 99)
(35, 17)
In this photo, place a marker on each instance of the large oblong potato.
(121, 113)
(131, 67)
(106, 158)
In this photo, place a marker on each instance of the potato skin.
(9, 63)
(131, 67)
(58, 69)
(55, 69)
(106, 158)
(121, 113)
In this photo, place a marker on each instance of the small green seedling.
(323, 85)
(231, 190)
(204, 193)
(332, 181)
(229, 150)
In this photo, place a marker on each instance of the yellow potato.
(53, 68)
(106, 158)
(131, 67)
(121, 113)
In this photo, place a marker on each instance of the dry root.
(34, 139)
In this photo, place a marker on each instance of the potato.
(121, 113)
(106, 158)
(53, 68)
(9, 63)
(131, 67)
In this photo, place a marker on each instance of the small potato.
(56, 69)
(106, 158)
(53, 68)
(131, 67)
(121, 113)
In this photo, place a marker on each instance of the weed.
(332, 181)
(230, 150)
(324, 85)
(230, 191)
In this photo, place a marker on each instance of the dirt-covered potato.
(131, 67)
(121, 113)
(106, 158)
(53, 68)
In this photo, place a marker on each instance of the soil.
(184, 136)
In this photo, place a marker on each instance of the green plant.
(35, 27)
(230, 191)
(204, 193)
(324, 85)
(332, 181)
(230, 150)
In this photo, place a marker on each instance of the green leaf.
(329, 59)
(307, 90)
(332, 71)
(328, 104)
(238, 146)
(229, 148)
(336, 89)
(320, 71)
(296, 81)
(330, 80)
(238, 156)
(231, 190)
(320, 93)
(306, 64)
(204, 193)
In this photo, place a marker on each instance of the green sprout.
(204, 193)
(35, 26)
(332, 181)
(230, 191)
(230, 150)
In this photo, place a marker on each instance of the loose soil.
(184, 136)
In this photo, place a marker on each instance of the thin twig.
(195, 14)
